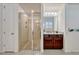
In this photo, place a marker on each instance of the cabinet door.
(72, 22)
(10, 27)
(48, 42)
(58, 42)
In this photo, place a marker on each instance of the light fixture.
(32, 11)
(50, 13)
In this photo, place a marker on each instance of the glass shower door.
(36, 31)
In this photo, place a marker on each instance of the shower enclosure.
(29, 31)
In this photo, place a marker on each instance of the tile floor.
(46, 52)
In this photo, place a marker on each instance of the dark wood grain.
(54, 41)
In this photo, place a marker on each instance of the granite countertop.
(52, 33)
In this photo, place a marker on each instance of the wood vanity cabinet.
(53, 41)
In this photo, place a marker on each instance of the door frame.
(41, 26)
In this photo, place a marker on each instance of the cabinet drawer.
(58, 36)
(48, 37)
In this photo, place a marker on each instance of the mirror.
(50, 22)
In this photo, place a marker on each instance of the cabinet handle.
(12, 33)
(4, 6)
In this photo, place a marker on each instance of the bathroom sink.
(52, 33)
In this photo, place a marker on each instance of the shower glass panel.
(36, 31)
(29, 28)
(24, 32)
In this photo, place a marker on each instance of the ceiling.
(28, 7)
